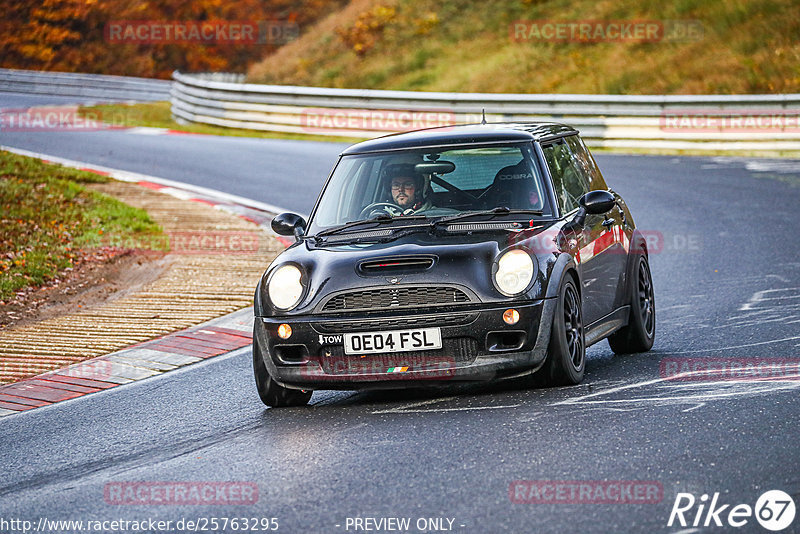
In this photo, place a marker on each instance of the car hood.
(421, 258)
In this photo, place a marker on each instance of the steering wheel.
(375, 205)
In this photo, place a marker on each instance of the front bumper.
(477, 346)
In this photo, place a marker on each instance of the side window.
(584, 160)
(569, 176)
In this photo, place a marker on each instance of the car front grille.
(454, 352)
(395, 297)
(400, 323)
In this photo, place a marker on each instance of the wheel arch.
(565, 266)
(258, 303)
(638, 248)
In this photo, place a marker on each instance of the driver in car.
(407, 189)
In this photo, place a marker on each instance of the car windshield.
(410, 185)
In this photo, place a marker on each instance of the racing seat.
(512, 188)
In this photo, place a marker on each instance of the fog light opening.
(511, 316)
(284, 331)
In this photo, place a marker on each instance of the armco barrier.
(95, 86)
(751, 123)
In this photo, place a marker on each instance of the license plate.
(393, 341)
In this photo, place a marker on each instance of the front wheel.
(566, 354)
(640, 333)
(273, 394)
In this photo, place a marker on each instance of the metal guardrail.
(98, 86)
(705, 122)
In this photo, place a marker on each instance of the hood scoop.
(395, 265)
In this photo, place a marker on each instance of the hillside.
(152, 38)
(735, 46)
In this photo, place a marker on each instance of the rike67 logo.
(774, 510)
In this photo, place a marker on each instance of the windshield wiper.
(382, 219)
(377, 221)
(494, 212)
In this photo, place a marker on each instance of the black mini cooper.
(460, 253)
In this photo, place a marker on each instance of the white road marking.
(609, 391)
(737, 346)
(530, 417)
(783, 167)
(725, 389)
(400, 409)
(781, 278)
(414, 407)
(759, 297)
(750, 324)
(612, 409)
(696, 406)
(146, 130)
(463, 409)
(698, 398)
(751, 314)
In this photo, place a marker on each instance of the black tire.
(566, 353)
(640, 333)
(273, 394)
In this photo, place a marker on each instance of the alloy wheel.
(646, 298)
(573, 327)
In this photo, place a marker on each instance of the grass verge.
(49, 219)
(158, 115)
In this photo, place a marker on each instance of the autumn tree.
(69, 35)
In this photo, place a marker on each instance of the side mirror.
(594, 203)
(289, 224)
(597, 202)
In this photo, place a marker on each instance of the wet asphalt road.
(727, 280)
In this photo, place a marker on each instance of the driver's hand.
(377, 212)
(390, 210)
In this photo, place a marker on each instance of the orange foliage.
(70, 35)
(368, 29)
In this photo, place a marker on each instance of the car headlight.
(285, 288)
(514, 272)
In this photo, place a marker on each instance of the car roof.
(467, 134)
